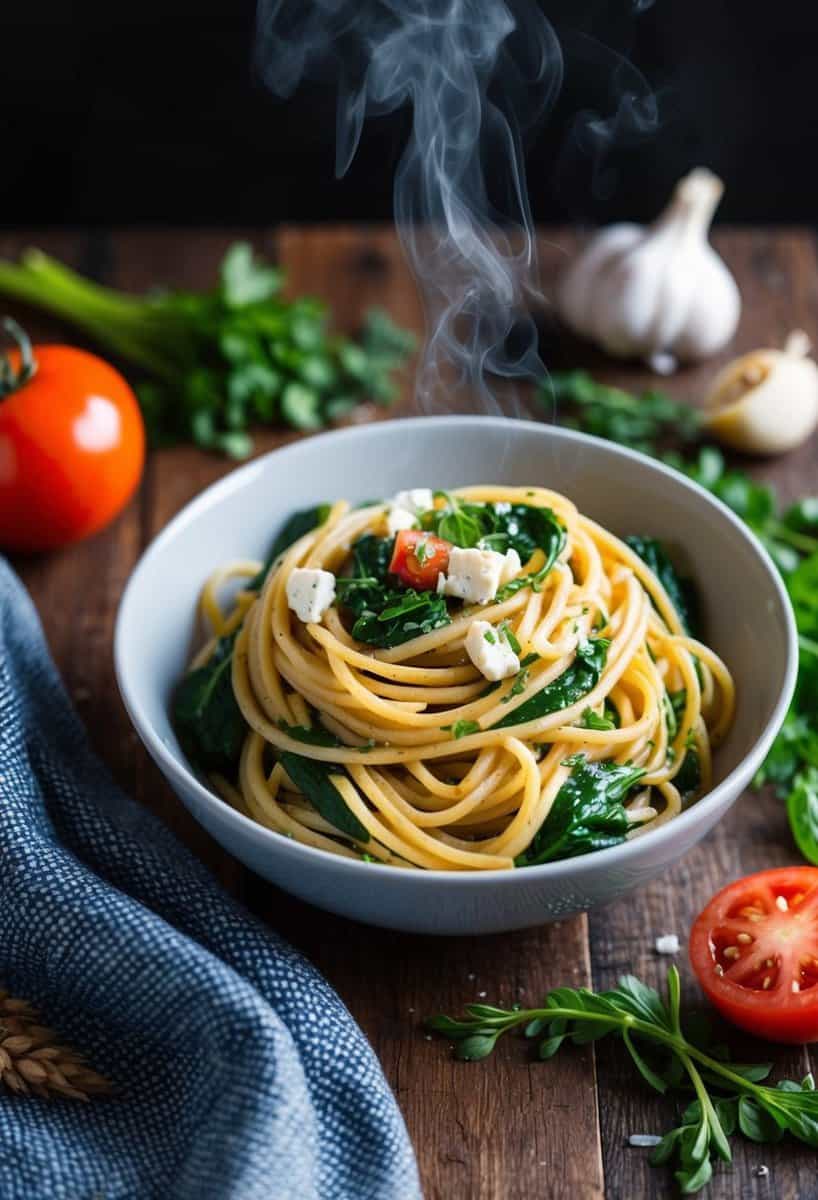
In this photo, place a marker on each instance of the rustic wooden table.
(507, 1128)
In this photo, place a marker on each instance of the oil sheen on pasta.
(402, 753)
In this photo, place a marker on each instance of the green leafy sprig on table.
(648, 423)
(222, 361)
(670, 1056)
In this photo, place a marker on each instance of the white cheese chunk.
(398, 518)
(668, 943)
(490, 652)
(310, 592)
(416, 500)
(511, 566)
(474, 575)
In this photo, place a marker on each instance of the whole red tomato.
(72, 445)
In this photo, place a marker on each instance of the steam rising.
(470, 70)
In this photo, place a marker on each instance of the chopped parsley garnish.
(462, 728)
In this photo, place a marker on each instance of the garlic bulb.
(765, 402)
(654, 291)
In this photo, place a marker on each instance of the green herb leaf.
(245, 280)
(591, 720)
(507, 633)
(802, 810)
(463, 728)
(640, 422)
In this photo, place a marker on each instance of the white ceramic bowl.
(746, 613)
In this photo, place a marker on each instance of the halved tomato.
(754, 949)
(418, 558)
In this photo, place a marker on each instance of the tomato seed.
(744, 938)
(731, 952)
(781, 903)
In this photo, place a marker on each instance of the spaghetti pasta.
(371, 732)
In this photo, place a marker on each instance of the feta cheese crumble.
(310, 592)
(405, 506)
(644, 1139)
(488, 648)
(415, 500)
(668, 943)
(511, 568)
(473, 575)
(399, 518)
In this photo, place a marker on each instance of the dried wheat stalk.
(33, 1062)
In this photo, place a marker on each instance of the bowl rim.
(180, 773)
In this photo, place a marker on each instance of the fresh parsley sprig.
(641, 422)
(219, 362)
(727, 1095)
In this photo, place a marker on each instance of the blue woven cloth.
(240, 1072)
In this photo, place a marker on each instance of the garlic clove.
(765, 402)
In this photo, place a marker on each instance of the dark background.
(151, 113)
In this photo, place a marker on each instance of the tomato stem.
(12, 380)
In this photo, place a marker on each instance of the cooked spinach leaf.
(313, 735)
(580, 678)
(501, 527)
(586, 815)
(688, 778)
(372, 555)
(399, 617)
(461, 522)
(682, 592)
(206, 714)
(525, 528)
(313, 779)
(293, 528)
(386, 615)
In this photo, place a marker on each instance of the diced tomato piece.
(419, 558)
(754, 949)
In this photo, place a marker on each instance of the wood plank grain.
(778, 275)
